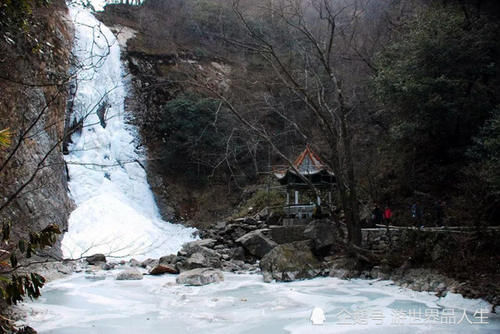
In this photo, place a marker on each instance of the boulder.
(220, 225)
(109, 266)
(237, 253)
(340, 273)
(194, 246)
(203, 258)
(288, 262)
(151, 263)
(200, 276)
(95, 276)
(230, 266)
(256, 243)
(287, 234)
(344, 267)
(96, 258)
(134, 263)
(129, 275)
(323, 233)
(379, 273)
(161, 269)
(234, 231)
(264, 213)
(169, 259)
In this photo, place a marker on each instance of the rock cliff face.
(159, 69)
(33, 85)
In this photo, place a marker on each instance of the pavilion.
(310, 166)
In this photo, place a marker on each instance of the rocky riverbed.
(227, 283)
(252, 246)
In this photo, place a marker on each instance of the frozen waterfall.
(115, 209)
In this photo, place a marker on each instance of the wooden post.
(296, 197)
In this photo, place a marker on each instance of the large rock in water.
(200, 276)
(129, 275)
(323, 233)
(256, 243)
(195, 255)
(161, 269)
(288, 262)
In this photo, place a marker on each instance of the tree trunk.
(355, 236)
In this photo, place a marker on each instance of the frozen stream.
(245, 304)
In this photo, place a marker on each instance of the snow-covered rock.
(200, 276)
(131, 274)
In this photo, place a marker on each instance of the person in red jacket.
(387, 215)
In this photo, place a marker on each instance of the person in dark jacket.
(377, 215)
(416, 212)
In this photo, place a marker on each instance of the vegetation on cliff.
(418, 83)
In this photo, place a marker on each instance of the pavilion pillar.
(287, 198)
(296, 197)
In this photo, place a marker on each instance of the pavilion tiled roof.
(307, 163)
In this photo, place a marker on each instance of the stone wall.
(286, 234)
(379, 238)
(429, 243)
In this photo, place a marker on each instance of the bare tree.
(312, 47)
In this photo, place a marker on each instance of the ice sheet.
(242, 304)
